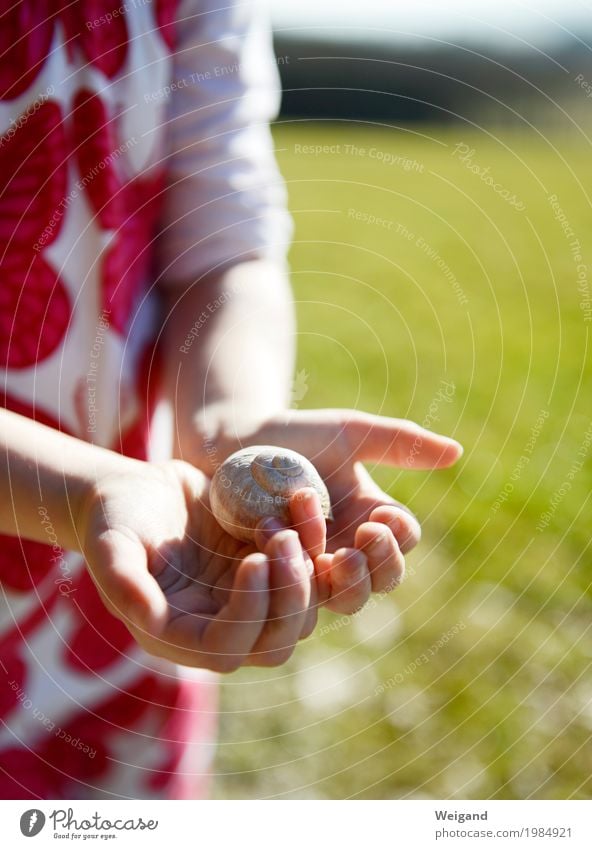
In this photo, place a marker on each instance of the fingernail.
(258, 575)
(270, 525)
(356, 564)
(358, 572)
(308, 500)
(380, 545)
(395, 525)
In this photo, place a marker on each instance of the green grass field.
(474, 679)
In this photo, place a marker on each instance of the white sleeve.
(225, 199)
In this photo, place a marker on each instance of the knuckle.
(309, 626)
(348, 604)
(389, 570)
(395, 579)
(277, 657)
(224, 664)
(387, 583)
(412, 539)
(295, 601)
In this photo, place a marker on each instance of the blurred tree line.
(428, 80)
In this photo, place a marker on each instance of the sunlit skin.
(186, 589)
(192, 593)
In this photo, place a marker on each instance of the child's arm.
(229, 333)
(47, 473)
(229, 345)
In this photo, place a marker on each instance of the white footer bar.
(298, 824)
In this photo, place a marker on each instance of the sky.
(535, 21)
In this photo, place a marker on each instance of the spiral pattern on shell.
(258, 481)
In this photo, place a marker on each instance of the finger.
(322, 566)
(402, 523)
(350, 581)
(385, 561)
(233, 633)
(312, 614)
(266, 529)
(119, 568)
(290, 587)
(308, 520)
(197, 639)
(398, 442)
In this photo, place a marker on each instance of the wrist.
(45, 476)
(89, 489)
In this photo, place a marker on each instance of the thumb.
(331, 438)
(118, 566)
(399, 442)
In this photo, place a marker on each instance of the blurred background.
(437, 157)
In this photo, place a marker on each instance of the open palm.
(186, 589)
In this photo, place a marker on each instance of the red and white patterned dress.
(135, 153)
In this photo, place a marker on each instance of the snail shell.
(258, 481)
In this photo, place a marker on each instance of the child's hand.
(187, 590)
(371, 531)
